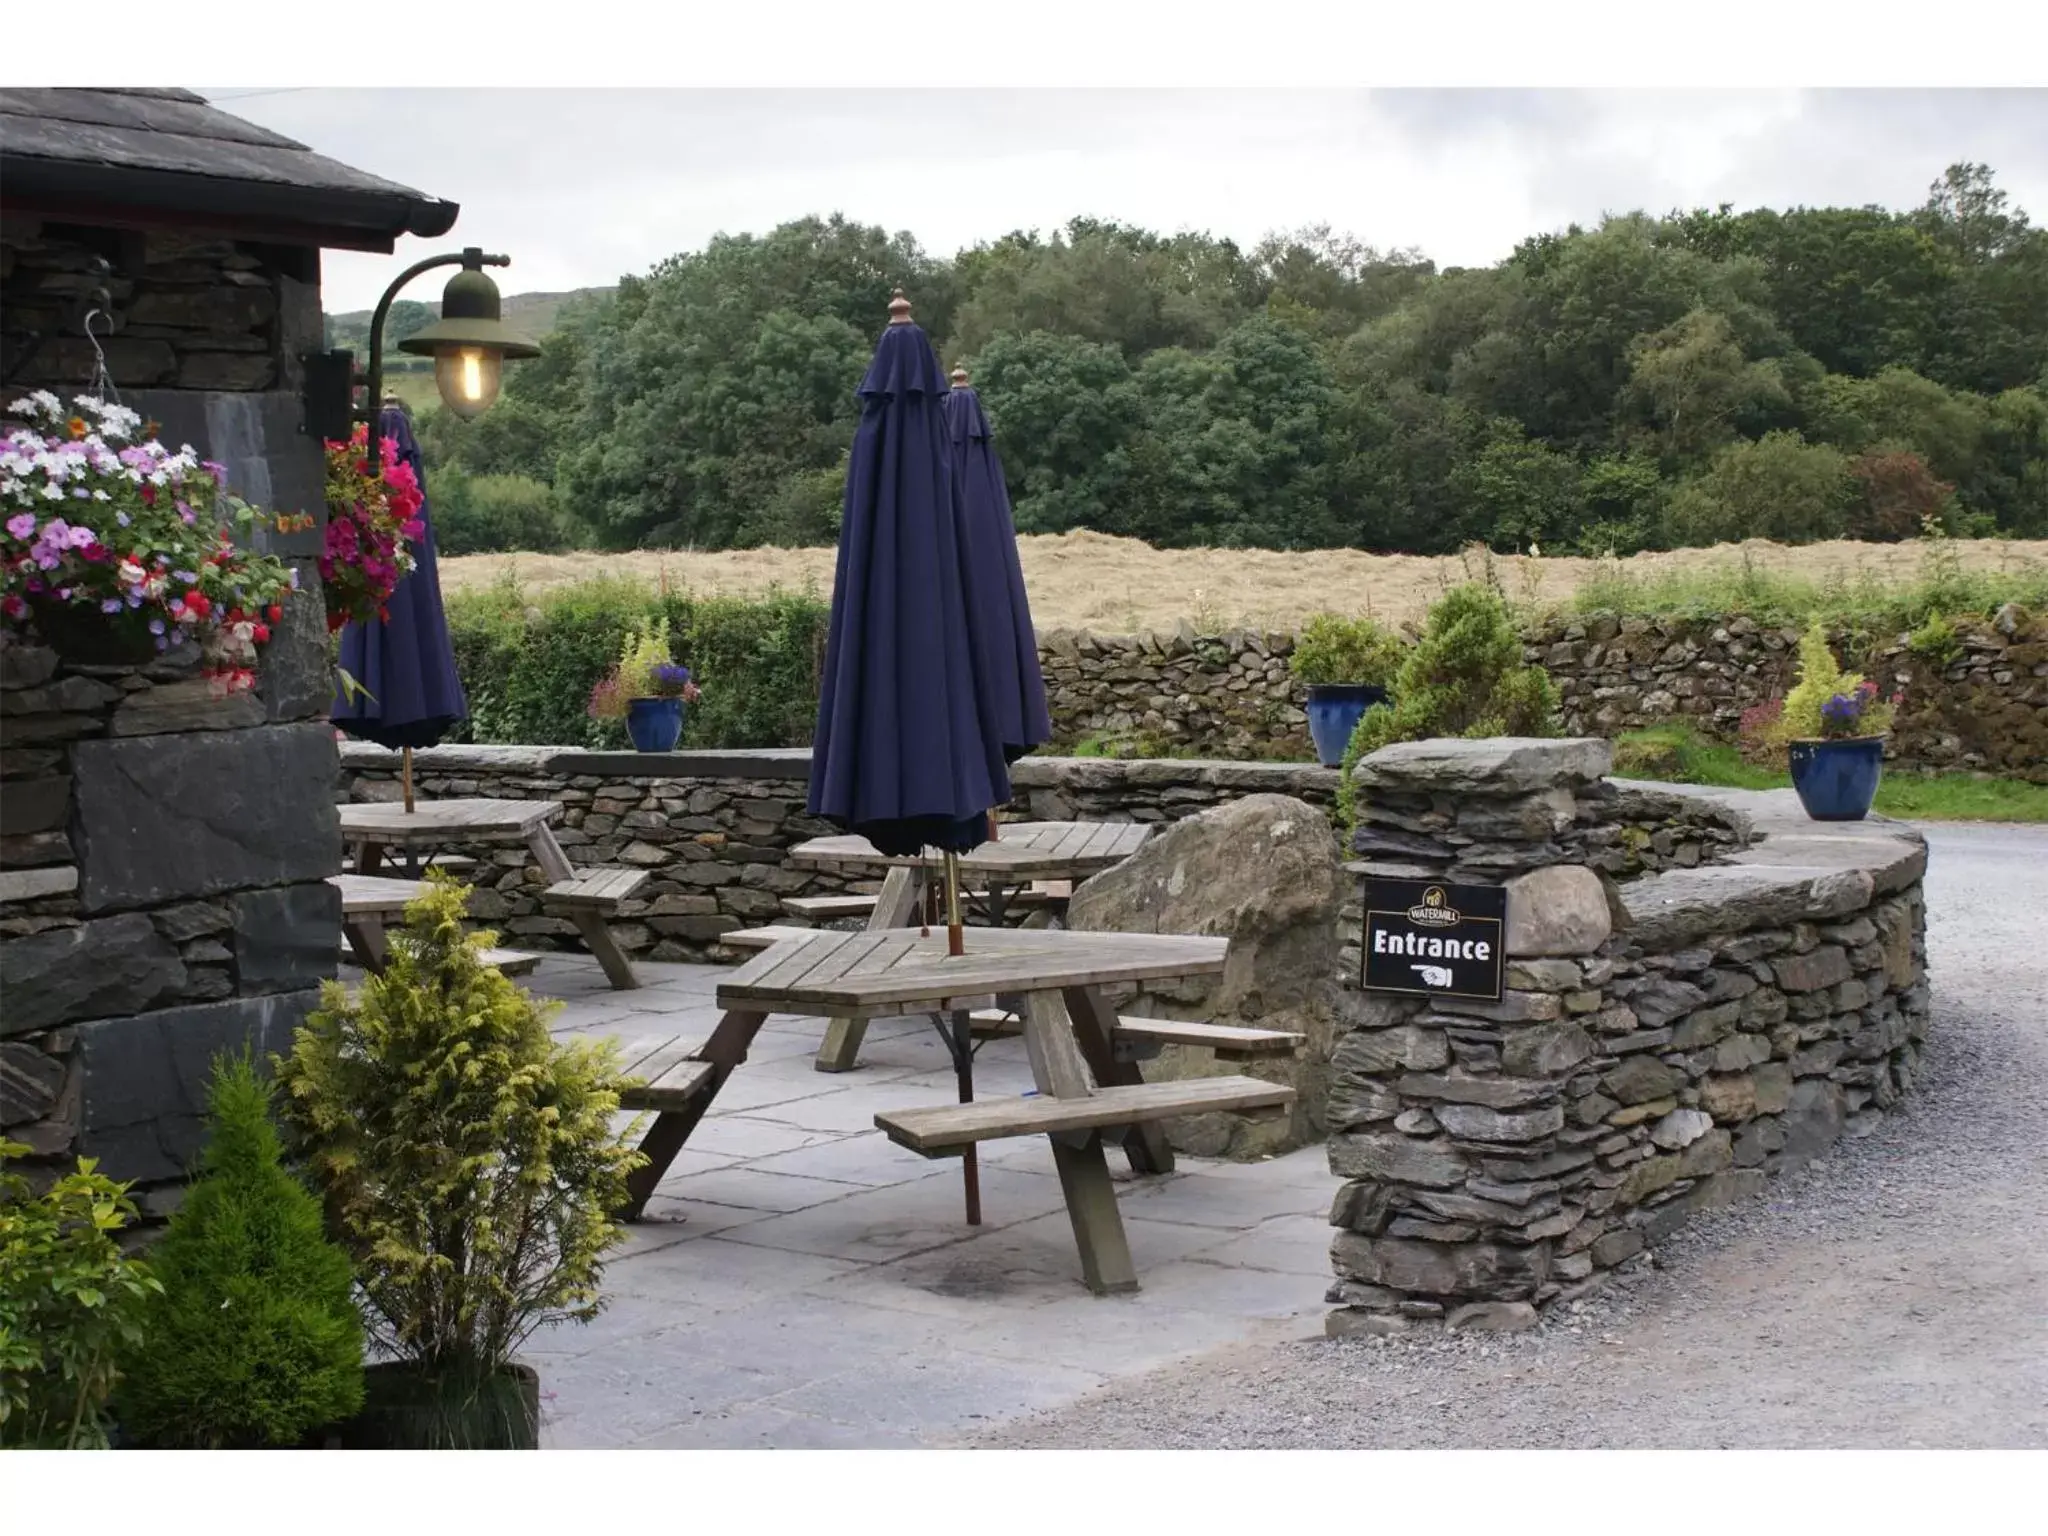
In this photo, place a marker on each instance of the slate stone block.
(162, 818)
(286, 939)
(144, 1079)
(114, 965)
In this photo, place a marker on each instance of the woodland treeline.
(1648, 383)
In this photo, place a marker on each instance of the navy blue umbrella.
(909, 750)
(998, 613)
(405, 664)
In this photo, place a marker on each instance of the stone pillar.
(1449, 1118)
(163, 891)
(1753, 990)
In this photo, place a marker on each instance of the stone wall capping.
(1495, 765)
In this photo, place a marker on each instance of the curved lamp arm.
(471, 257)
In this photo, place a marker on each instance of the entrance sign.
(1429, 938)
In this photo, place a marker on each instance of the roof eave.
(127, 196)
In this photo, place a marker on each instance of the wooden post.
(405, 773)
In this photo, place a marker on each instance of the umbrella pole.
(955, 939)
(406, 773)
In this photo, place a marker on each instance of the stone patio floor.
(800, 1281)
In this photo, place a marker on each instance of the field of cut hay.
(1111, 585)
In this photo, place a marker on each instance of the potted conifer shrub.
(1832, 726)
(470, 1169)
(254, 1340)
(1346, 664)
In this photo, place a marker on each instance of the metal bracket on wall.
(98, 297)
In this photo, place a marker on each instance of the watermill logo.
(1435, 910)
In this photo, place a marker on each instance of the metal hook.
(102, 386)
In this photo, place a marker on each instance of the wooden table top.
(444, 820)
(1025, 850)
(832, 973)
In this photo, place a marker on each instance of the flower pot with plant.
(1347, 664)
(470, 1169)
(114, 548)
(647, 690)
(1832, 726)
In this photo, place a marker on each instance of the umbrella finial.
(959, 377)
(899, 309)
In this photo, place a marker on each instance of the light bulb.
(467, 378)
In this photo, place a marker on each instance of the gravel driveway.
(1894, 1295)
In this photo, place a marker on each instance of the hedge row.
(528, 663)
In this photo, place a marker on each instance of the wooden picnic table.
(587, 899)
(1024, 851)
(1085, 1092)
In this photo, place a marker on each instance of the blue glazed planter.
(655, 725)
(1837, 780)
(1333, 713)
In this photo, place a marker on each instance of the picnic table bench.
(1085, 1094)
(370, 902)
(588, 898)
(994, 876)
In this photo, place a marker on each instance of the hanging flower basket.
(114, 549)
(372, 521)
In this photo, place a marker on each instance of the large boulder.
(1264, 873)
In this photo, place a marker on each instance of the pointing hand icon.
(1433, 975)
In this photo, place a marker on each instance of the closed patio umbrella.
(998, 613)
(909, 748)
(405, 663)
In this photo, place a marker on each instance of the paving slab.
(799, 1281)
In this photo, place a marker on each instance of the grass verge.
(1673, 753)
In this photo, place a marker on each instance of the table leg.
(959, 1040)
(1061, 1070)
(369, 856)
(366, 937)
(554, 863)
(894, 908)
(1106, 1265)
(726, 1049)
(1095, 1032)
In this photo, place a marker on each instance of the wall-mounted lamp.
(468, 344)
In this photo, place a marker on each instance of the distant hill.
(533, 313)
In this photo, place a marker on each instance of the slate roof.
(163, 155)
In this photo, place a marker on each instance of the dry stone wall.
(163, 891)
(713, 829)
(1665, 1041)
(1230, 695)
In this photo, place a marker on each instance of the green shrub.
(1334, 649)
(480, 514)
(1935, 642)
(528, 664)
(255, 1339)
(70, 1302)
(468, 1160)
(1464, 677)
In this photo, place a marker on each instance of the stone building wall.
(713, 828)
(163, 891)
(192, 310)
(1664, 1043)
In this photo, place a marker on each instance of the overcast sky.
(580, 185)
